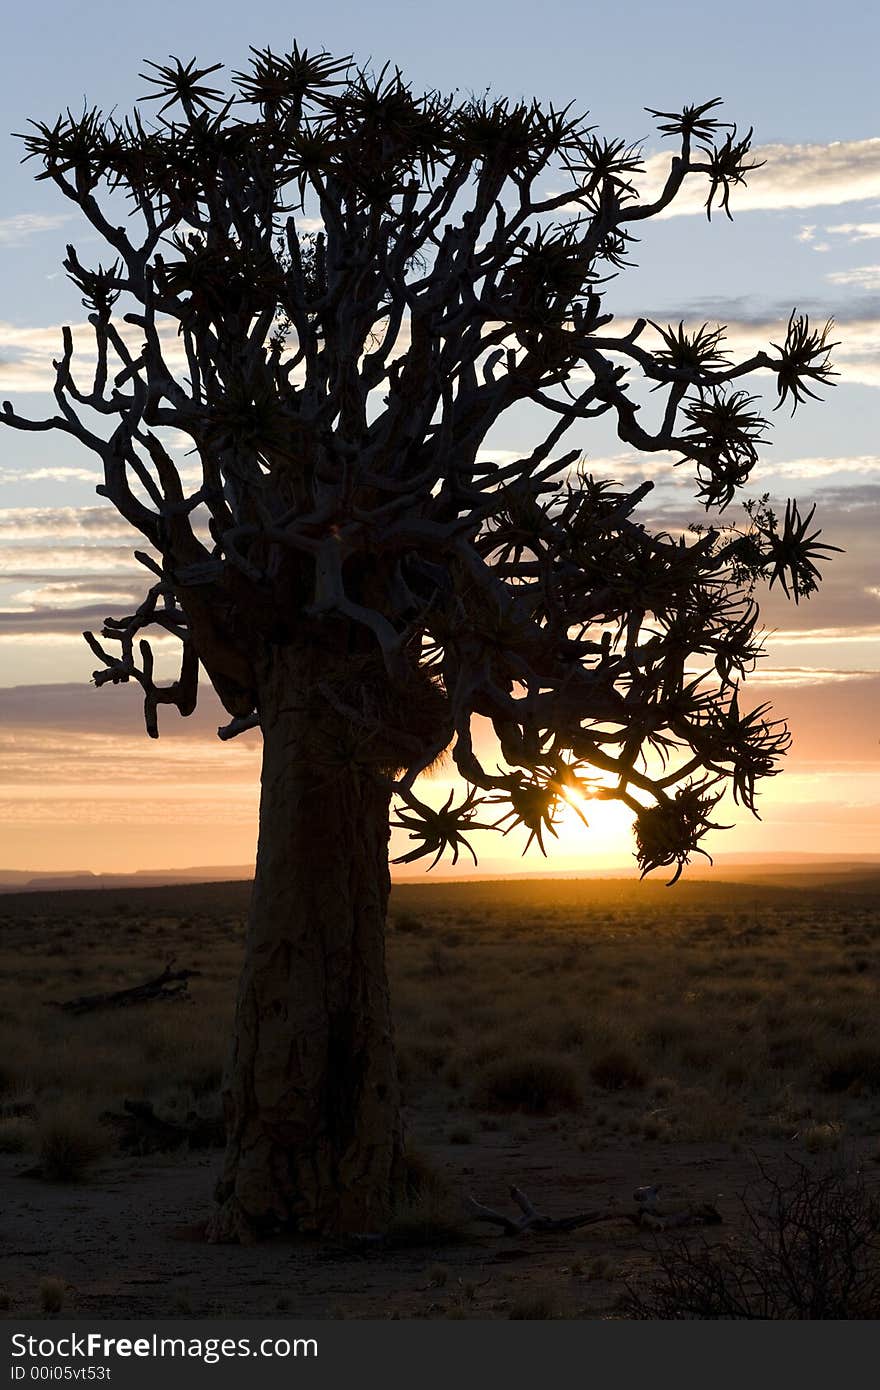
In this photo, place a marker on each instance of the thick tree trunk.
(311, 1094)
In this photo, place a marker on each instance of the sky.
(81, 787)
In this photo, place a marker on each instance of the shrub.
(421, 1178)
(668, 1029)
(424, 1217)
(700, 1056)
(68, 1142)
(617, 1071)
(851, 1068)
(461, 1135)
(811, 1250)
(532, 1307)
(536, 1085)
(819, 1137)
(16, 1134)
(52, 1292)
(408, 925)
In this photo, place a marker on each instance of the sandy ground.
(129, 1242)
(730, 996)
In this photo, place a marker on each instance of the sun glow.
(606, 838)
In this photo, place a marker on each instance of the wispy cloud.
(823, 635)
(72, 593)
(22, 226)
(57, 621)
(856, 356)
(62, 474)
(26, 353)
(793, 176)
(856, 231)
(792, 677)
(62, 523)
(20, 561)
(863, 277)
(666, 468)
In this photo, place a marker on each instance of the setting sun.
(604, 841)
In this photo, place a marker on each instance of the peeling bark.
(311, 1095)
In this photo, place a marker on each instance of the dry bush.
(618, 1070)
(536, 1085)
(52, 1291)
(666, 1030)
(693, 1115)
(68, 1141)
(16, 1134)
(819, 1138)
(851, 1068)
(461, 1135)
(408, 925)
(426, 1215)
(810, 1250)
(421, 1061)
(531, 1307)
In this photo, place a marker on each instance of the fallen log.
(649, 1213)
(171, 984)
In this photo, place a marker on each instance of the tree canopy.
(325, 291)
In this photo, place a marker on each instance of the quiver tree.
(332, 289)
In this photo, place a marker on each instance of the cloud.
(832, 714)
(864, 277)
(22, 226)
(791, 677)
(844, 633)
(821, 467)
(27, 352)
(856, 331)
(21, 561)
(667, 469)
(55, 621)
(62, 474)
(856, 231)
(78, 708)
(62, 523)
(793, 176)
(844, 610)
(73, 592)
(58, 738)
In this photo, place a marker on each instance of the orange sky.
(81, 786)
(84, 788)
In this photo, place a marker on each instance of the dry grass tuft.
(618, 1070)
(531, 1307)
(853, 1068)
(822, 1138)
(68, 1142)
(534, 1085)
(16, 1134)
(408, 925)
(52, 1291)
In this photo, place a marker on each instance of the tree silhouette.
(335, 289)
